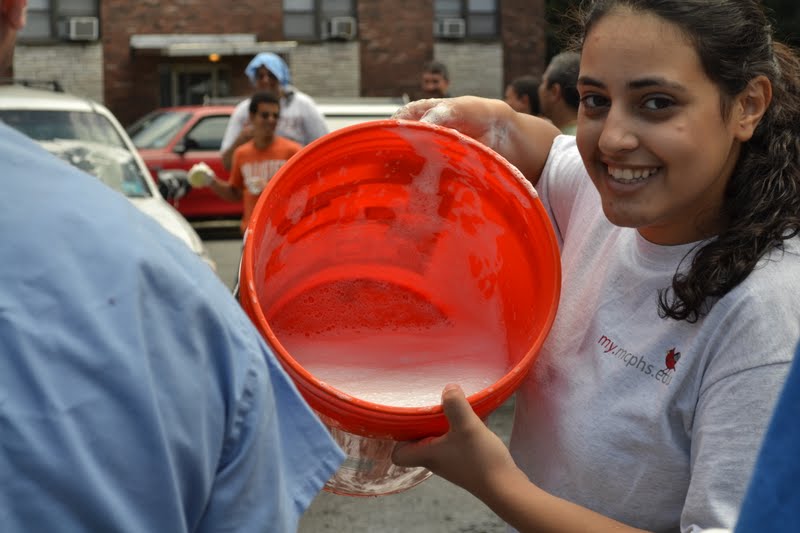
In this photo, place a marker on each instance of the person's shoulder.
(772, 286)
(564, 157)
(287, 145)
(36, 170)
(298, 96)
(245, 148)
(242, 107)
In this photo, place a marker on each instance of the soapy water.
(389, 344)
(401, 369)
(382, 343)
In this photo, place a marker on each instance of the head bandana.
(271, 62)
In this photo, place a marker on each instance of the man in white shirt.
(300, 119)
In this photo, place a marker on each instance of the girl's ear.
(750, 106)
(14, 13)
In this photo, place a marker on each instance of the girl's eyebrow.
(586, 80)
(642, 83)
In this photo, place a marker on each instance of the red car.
(175, 138)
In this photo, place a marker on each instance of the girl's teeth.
(627, 174)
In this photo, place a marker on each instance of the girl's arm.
(472, 457)
(524, 140)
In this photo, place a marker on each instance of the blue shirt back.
(135, 394)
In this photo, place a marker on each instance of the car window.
(47, 125)
(207, 133)
(116, 167)
(157, 129)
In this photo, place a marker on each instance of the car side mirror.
(173, 184)
(184, 146)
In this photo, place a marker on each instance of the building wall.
(329, 69)
(395, 39)
(132, 82)
(523, 27)
(475, 68)
(77, 67)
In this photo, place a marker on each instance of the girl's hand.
(524, 140)
(469, 455)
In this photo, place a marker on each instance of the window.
(207, 133)
(48, 19)
(306, 19)
(479, 17)
(57, 125)
(193, 84)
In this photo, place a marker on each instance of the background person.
(558, 92)
(522, 94)
(300, 120)
(435, 80)
(254, 162)
(135, 394)
(677, 214)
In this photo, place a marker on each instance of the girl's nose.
(618, 133)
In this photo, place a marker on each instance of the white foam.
(402, 369)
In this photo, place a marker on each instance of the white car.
(87, 135)
(341, 112)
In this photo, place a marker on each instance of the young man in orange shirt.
(256, 161)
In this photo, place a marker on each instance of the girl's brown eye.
(656, 103)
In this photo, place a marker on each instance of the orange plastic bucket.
(386, 260)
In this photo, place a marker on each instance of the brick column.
(522, 24)
(396, 41)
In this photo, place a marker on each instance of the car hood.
(170, 220)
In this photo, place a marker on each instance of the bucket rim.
(481, 401)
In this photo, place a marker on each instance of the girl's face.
(651, 131)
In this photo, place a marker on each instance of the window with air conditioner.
(49, 20)
(339, 28)
(82, 28)
(474, 19)
(313, 20)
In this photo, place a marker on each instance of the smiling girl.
(677, 208)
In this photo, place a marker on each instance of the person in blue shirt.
(135, 394)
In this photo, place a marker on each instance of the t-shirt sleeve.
(562, 180)
(313, 122)
(277, 455)
(236, 179)
(772, 502)
(757, 329)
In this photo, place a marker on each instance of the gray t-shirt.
(650, 421)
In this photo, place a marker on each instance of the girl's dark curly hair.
(733, 39)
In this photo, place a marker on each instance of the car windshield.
(156, 129)
(115, 167)
(49, 125)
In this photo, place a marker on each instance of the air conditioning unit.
(82, 28)
(340, 28)
(450, 28)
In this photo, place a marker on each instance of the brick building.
(138, 55)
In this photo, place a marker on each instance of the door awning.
(197, 45)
